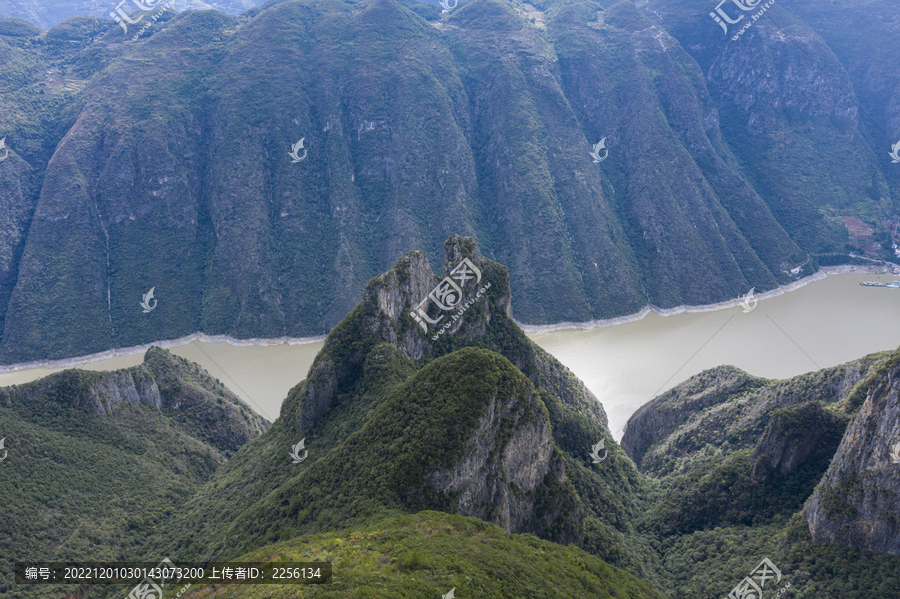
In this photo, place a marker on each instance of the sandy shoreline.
(823, 272)
(534, 329)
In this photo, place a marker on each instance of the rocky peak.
(407, 307)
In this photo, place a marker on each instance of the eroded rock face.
(385, 313)
(660, 417)
(795, 435)
(857, 503)
(165, 382)
(321, 390)
(507, 461)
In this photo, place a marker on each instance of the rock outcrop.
(795, 435)
(725, 409)
(511, 454)
(658, 418)
(858, 500)
(165, 382)
(388, 312)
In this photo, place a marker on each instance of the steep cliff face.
(477, 122)
(508, 457)
(795, 435)
(726, 409)
(858, 500)
(789, 85)
(178, 388)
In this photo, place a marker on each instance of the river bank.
(531, 329)
(165, 344)
(820, 274)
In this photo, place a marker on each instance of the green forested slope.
(97, 461)
(163, 162)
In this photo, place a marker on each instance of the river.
(823, 324)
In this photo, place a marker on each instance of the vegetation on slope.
(428, 553)
(94, 467)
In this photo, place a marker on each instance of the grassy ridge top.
(428, 553)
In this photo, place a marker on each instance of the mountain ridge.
(163, 162)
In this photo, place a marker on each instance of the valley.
(478, 434)
(486, 299)
(623, 365)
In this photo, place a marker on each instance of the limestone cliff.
(858, 500)
(179, 388)
(510, 455)
(386, 314)
(805, 433)
(725, 409)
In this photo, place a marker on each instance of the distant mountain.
(165, 162)
(471, 459)
(50, 13)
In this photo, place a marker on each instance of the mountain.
(96, 461)
(164, 162)
(479, 422)
(856, 503)
(50, 13)
(455, 453)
